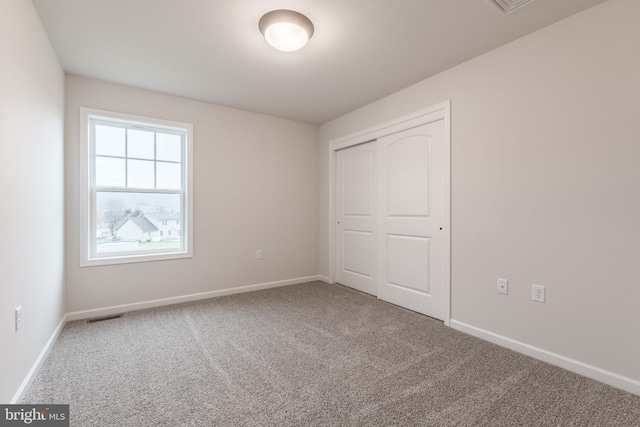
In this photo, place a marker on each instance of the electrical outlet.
(503, 286)
(18, 318)
(538, 293)
(259, 254)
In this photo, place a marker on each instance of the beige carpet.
(311, 354)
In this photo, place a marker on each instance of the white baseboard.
(17, 398)
(589, 371)
(325, 279)
(116, 309)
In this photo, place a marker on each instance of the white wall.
(31, 185)
(254, 188)
(545, 184)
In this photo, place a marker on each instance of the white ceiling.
(212, 50)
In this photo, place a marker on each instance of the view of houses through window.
(127, 221)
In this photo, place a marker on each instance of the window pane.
(110, 172)
(110, 141)
(140, 174)
(168, 147)
(133, 222)
(169, 176)
(140, 144)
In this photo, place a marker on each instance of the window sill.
(129, 259)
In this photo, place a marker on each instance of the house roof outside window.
(162, 216)
(143, 223)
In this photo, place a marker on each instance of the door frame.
(441, 111)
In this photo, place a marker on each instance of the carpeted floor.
(310, 354)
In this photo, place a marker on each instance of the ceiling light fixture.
(286, 30)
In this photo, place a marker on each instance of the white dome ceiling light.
(286, 30)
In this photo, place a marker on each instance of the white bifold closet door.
(356, 206)
(411, 245)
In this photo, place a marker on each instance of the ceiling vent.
(508, 6)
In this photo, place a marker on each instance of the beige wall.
(254, 188)
(545, 184)
(31, 184)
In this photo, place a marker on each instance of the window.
(136, 176)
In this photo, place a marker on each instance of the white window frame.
(87, 220)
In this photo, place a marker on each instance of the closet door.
(411, 244)
(355, 215)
